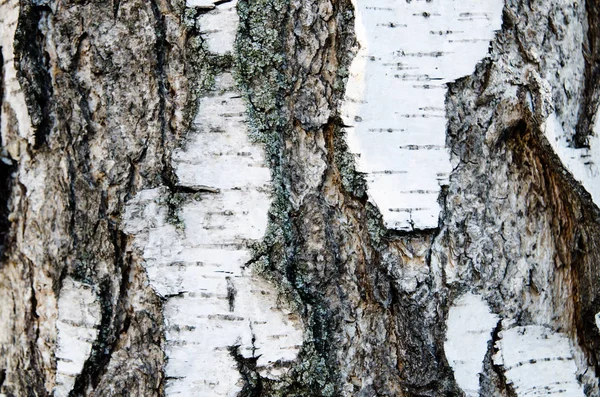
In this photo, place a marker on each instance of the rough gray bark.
(111, 89)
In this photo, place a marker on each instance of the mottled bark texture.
(111, 88)
(106, 85)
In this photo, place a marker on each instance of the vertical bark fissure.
(102, 347)
(35, 381)
(493, 380)
(7, 168)
(591, 77)
(1, 82)
(32, 67)
(168, 175)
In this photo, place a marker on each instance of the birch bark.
(299, 197)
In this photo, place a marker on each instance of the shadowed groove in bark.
(591, 81)
(169, 178)
(6, 179)
(493, 380)
(578, 239)
(115, 319)
(101, 348)
(35, 385)
(31, 61)
(116, 5)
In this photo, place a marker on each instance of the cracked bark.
(111, 89)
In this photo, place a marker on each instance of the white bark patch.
(213, 302)
(538, 361)
(219, 26)
(210, 4)
(221, 144)
(13, 96)
(77, 325)
(219, 304)
(395, 96)
(470, 325)
(582, 163)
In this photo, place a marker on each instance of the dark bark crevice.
(34, 378)
(253, 382)
(169, 178)
(7, 170)
(116, 6)
(591, 78)
(7, 180)
(492, 380)
(32, 64)
(101, 348)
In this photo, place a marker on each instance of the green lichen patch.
(259, 70)
(259, 65)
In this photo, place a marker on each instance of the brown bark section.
(367, 335)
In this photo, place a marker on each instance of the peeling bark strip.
(394, 105)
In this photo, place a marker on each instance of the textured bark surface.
(143, 141)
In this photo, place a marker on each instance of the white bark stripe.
(538, 362)
(470, 325)
(213, 303)
(395, 96)
(220, 305)
(77, 326)
(13, 96)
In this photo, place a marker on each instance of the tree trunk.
(299, 198)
